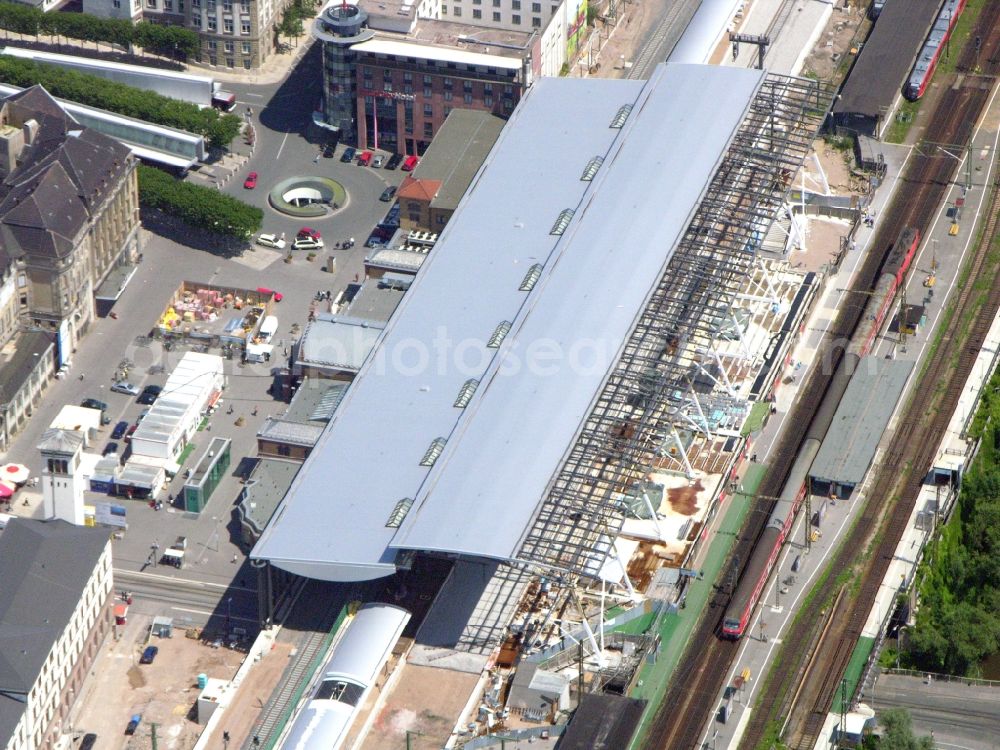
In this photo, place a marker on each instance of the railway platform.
(942, 254)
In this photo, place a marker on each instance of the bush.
(199, 207)
(92, 91)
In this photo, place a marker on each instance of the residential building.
(429, 196)
(27, 365)
(235, 34)
(390, 82)
(69, 214)
(55, 611)
(130, 10)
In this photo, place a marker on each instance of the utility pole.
(806, 526)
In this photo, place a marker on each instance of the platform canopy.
(613, 221)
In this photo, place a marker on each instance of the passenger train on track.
(347, 679)
(935, 44)
(768, 548)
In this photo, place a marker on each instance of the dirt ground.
(828, 60)
(253, 693)
(427, 700)
(164, 692)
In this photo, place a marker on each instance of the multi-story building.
(55, 611)
(69, 213)
(237, 34)
(26, 369)
(390, 82)
(431, 193)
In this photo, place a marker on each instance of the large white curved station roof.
(447, 440)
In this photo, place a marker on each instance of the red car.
(410, 163)
(251, 181)
(307, 232)
(365, 159)
(278, 296)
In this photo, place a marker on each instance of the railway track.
(890, 500)
(698, 682)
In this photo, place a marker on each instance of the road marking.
(255, 96)
(210, 614)
(278, 155)
(174, 581)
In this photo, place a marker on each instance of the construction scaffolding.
(668, 350)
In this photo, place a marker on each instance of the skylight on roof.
(465, 394)
(399, 513)
(591, 169)
(531, 278)
(621, 116)
(563, 221)
(435, 450)
(499, 335)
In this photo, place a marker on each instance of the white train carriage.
(357, 659)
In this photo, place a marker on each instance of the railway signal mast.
(761, 40)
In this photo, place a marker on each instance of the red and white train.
(765, 554)
(930, 53)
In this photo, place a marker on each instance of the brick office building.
(389, 82)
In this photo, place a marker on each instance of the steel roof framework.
(580, 517)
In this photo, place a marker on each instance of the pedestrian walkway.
(675, 628)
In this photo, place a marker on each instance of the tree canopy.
(897, 733)
(958, 622)
(170, 41)
(197, 206)
(218, 128)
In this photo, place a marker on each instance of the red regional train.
(930, 53)
(765, 553)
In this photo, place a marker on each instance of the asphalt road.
(957, 715)
(214, 557)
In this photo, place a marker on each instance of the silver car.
(123, 386)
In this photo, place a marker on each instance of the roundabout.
(308, 197)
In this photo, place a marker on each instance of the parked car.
(378, 161)
(119, 431)
(110, 448)
(93, 403)
(251, 181)
(394, 161)
(307, 243)
(142, 415)
(348, 155)
(278, 296)
(148, 655)
(123, 386)
(410, 163)
(130, 432)
(271, 240)
(149, 394)
(133, 724)
(365, 159)
(328, 150)
(388, 194)
(87, 743)
(307, 232)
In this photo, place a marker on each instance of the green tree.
(219, 129)
(897, 733)
(199, 207)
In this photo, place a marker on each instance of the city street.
(214, 559)
(957, 715)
